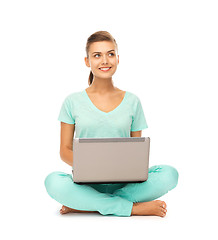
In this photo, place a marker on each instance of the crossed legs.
(132, 199)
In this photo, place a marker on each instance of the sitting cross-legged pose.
(103, 110)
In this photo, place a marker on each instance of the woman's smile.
(105, 69)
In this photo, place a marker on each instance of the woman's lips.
(105, 69)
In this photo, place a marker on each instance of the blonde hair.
(98, 37)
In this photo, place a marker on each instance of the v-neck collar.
(98, 110)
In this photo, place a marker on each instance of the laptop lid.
(110, 160)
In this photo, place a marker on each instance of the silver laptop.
(110, 160)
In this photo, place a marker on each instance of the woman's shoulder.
(74, 96)
(133, 96)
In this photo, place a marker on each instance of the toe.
(163, 205)
(163, 213)
(63, 210)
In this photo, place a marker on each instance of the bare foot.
(65, 210)
(154, 208)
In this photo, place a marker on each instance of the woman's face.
(103, 59)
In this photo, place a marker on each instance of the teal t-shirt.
(90, 122)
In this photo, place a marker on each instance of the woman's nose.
(104, 59)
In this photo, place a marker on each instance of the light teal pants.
(116, 198)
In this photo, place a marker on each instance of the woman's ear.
(87, 62)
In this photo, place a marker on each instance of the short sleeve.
(67, 112)
(138, 120)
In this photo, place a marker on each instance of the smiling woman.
(98, 53)
(102, 110)
(101, 57)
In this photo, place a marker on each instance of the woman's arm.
(136, 134)
(66, 143)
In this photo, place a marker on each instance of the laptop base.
(82, 183)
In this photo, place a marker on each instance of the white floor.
(42, 220)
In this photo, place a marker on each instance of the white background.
(168, 58)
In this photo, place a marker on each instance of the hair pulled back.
(98, 37)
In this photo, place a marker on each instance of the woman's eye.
(97, 55)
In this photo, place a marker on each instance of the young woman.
(103, 110)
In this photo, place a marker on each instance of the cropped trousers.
(111, 199)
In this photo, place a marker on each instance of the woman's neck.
(102, 86)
